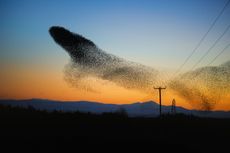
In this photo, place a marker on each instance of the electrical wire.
(204, 36)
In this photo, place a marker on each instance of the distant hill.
(143, 109)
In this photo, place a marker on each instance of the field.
(27, 129)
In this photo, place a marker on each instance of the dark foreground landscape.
(30, 130)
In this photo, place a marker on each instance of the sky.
(156, 33)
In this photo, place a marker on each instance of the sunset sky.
(157, 33)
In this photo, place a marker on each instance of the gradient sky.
(157, 33)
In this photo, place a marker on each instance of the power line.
(225, 48)
(205, 35)
(214, 44)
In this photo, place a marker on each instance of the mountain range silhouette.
(137, 109)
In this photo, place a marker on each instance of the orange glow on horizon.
(40, 83)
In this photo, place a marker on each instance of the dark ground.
(29, 130)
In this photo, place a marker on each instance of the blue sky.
(158, 33)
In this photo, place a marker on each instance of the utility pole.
(159, 89)
(173, 110)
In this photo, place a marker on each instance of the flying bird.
(89, 60)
